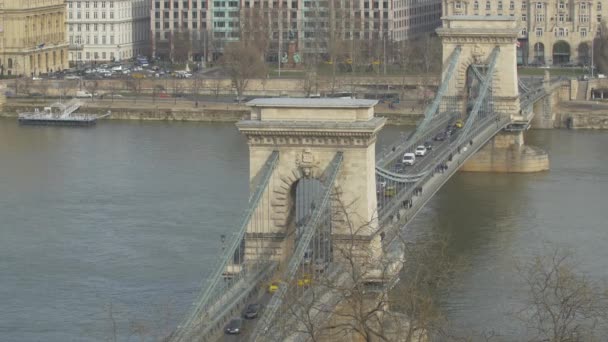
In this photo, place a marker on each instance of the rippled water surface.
(126, 218)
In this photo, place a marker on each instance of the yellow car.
(273, 287)
(305, 281)
(459, 123)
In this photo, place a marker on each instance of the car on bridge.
(234, 326)
(320, 265)
(274, 286)
(398, 167)
(409, 159)
(305, 280)
(252, 311)
(441, 136)
(420, 151)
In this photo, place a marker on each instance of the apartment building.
(553, 32)
(179, 29)
(109, 30)
(312, 24)
(32, 37)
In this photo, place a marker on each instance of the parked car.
(252, 311)
(234, 326)
(83, 94)
(420, 151)
(409, 158)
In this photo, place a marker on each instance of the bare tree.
(92, 87)
(182, 46)
(242, 63)
(216, 87)
(197, 87)
(600, 50)
(427, 53)
(563, 304)
(310, 82)
(356, 300)
(256, 26)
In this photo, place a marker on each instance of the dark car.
(428, 146)
(399, 167)
(234, 326)
(252, 311)
(441, 136)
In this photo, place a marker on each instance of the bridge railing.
(231, 276)
(320, 216)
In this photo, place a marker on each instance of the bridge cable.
(202, 302)
(485, 86)
(295, 260)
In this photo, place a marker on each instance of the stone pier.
(506, 152)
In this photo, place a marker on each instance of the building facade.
(190, 29)
(32, 37)
(108, 30)
(552, 32)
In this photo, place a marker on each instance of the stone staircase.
(581, 94)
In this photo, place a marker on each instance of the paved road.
(248, 324)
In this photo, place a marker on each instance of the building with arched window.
(32, 37)
(552, 32)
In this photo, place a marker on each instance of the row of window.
(87, 15)
(539, 5)
(78, 40)
(185, 24)
(583, 18)
(193, 15)
(88, 3)
(87, 27)
(559, 32)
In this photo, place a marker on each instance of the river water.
(120, 223)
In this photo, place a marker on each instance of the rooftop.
(312, 103)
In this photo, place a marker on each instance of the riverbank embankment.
(186, 110)
(582, 115)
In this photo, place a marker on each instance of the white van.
(83, 94)
(409, 159)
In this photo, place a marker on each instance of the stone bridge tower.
(477, 36)
(308, 133)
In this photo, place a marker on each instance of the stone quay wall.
(183, 110)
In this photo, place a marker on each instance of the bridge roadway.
(415, 185)
(427, 164)
(422, 164)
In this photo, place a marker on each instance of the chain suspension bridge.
(296, 219)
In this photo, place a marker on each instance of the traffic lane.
(422, 163)
(248, 324)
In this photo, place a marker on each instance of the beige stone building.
(32, 37)
(553, 32)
